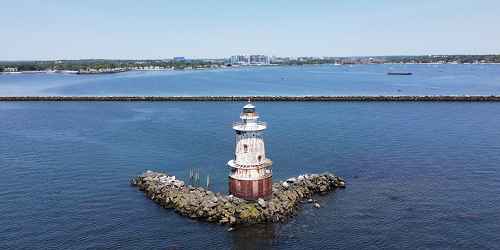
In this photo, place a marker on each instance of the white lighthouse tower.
(251, 175)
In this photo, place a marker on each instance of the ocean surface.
(297, 80)
(420, 175)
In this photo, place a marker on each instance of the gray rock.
(214, 199)
(211, 204)
(178, 183)
(262, 202)
(232, 220)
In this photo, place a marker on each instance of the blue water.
(420, 175)
(298, 80)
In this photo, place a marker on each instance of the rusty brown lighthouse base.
(251, 189)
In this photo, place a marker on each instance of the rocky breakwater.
(202, 204)
(254, 98)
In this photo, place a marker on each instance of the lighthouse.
(250, 174)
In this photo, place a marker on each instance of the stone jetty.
(202, 204)
(254, 98)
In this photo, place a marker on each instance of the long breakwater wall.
(255, 98)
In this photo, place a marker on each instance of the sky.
(157, 29)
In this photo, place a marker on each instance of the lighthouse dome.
(249, 108)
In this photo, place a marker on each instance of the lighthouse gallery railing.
(249, 124)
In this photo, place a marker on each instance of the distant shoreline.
(76, 72)
(253, 98)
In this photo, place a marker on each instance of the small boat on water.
(400, 73)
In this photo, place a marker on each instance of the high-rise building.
(250, 60)
(240, 60)
(259, 59)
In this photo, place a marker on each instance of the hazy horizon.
(129, 30)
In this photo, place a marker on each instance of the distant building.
(259, 59)
(276, 59)
(250, 60)
(179, 59)
(12, 69)
(240, 59)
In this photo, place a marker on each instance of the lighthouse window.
(248, 110)
(260, 158)
(245, 148)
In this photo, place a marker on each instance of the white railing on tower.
(249, 115)
(251, 124)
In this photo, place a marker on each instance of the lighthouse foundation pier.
(251, 189)
(202, 204)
